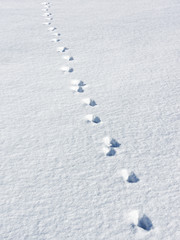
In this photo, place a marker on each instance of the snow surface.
(56, 181)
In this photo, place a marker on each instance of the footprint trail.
(110, 145)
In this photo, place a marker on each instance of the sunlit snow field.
(74, 74)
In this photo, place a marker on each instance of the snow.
(78, 83)
(57, 179)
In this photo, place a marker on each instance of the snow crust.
(63, 177)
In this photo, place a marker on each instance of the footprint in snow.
(56, 34)
(51, 29)
(109, 151)
(45, 3)
(78, 89)
(49, 18)
(67, 69)
(62, 49)
(44, 9)
(93, 118)
(140, 220)
(55, 40)
(89, 101)
(78, 83)
(46, 14)
(145, 223)
(110, 142)
(129, 177)
(77, 86)
(69, 58)
(46, 6)
(46, 23)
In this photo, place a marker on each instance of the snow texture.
(102, 163)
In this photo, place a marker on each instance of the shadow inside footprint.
(111, 142)
(96, 120)
(65, 49)
(145, 223)
(115, 143)
(132, 178)
(80, 89)
(92, 103)
(111, 153)
(71, 70)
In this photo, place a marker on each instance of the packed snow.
(89, 120)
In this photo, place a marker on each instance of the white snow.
(62, 177)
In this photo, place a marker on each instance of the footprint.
(51, 29)
(69, 58)
(109, 151)
(132, 178)
(78, 83)
(129, 177)
(46, 6)
(62, 49)
(110, 142)
(46, 23)
(67, 69)
(145, 223)
(77, 89)
(140, 220)
(93, 118)
(44, 9)
(89, 101)
(45, 3)
(56, 34)
(47, 14)
(55, 40)
(49, 18)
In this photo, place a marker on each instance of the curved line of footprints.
(136, 218)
